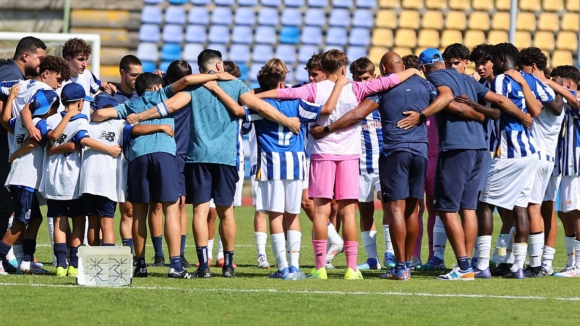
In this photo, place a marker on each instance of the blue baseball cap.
(42, 101)
(103, 100)
(74, 92)
(430, 56)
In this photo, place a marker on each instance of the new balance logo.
(21, 138)
(108, 136)
(61, 139)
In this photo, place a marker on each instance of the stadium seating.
(268, 16)
(148, 66)
(285, 52)
(248, 3)
(336, 36)
(175, 15)
(196, 34)
(271, 3)
(339, 17)
(173, 33)
(570, 22)
(148, 52)
(265, 35)
(263, 53)
(240, 53)
(198, 16)
(567, 41)
(366, 3)
(553, 5)
(409, 19)
(479, 20)
(153, 2)
(428, 38)
(386, 18)
(473, 38)
(245, 16)
(500, 21)
(306, 51)
(382, 37)
(291, 17)
(456, 20)
(289, 35)
(449, 37)
(463, 4)
(495, 37)
(170, 52)
(549, 22)
(152, 15)
(405, 38)
(149, 33)
(300, 74)
(243, 34)
(560, 58)
(191, 51)
(544, 40)
(523, 39)
(315, 17)
(317, 3)
(436, 4)
(221, 16)
(360, 36)
(311, 35)
(433, 20)
(354, 52)
(413, 4)
(342, 3)
(219, 34)
(224, 2)
(526, 22)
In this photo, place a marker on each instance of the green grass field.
(253, 298)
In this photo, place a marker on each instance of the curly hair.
(411, 61)
(55, 64)
(567, 72)
(480, 53)
(531, 55)
(506, 50)
(456, 51)
(76, 46)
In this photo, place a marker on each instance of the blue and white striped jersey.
(371, 141)
(515, 140)
(568, 153)
(280, 152)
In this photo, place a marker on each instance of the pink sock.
(319, 247)
(419, 242)
(351, 252)
(430, 225)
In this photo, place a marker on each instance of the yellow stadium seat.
(386, 18)
(412, 4)
(402, 51)
(479, 20)
(495, 37)
(376, 53)
(409, 19)
(530, 5)
(390, 4)
(573, 5)
(451, 36)
(549, 21)
(469, 70)
(560, 58)
(433, 20)
(406, 38)
(501, 21)
(383, 37)
(553, 5)
(482, 5)
(526, 22)
(523, 39)
(473, 38)
(418, 50)
(456, 20)
(436, 4)
(462, 4)
(502, 4)
(428, 38)
(570, 22)
(567, 41)
(544, 40)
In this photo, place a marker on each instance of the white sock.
(439, 239)
(10, 220)
(484, 244)
(261, 238)
(577, 252)
(388, 243)
(294, 240)
(369, 240)
(220, 253)
(520, 251)
(475, 251)
(10, 255)
(50, 226)
(279, 249)
(569, 242)
(333, 237)
(548, 256)
(535, 246)
(86, 239)
(509, 257)
(210, 249)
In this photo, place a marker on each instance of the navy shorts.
(205, 181)
(100, 205)
(66, 208)
(402, 175)
(458, 179)
(26, 205)
(153, 178)
(181, 163)
(6, 203)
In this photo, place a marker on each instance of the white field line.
(316, 292)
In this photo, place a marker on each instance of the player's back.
(26, 170)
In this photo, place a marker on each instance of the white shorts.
(239, 189)
(307, 175)
(369, 183)
(569, 190)
(553, 187)
(254, 189)
(543, 175)
(279, 196)
(509, 182)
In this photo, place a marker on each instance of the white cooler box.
(105, 266)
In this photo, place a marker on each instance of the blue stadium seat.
(355, 52)
(289, 35)
(177, 2)
(148, 66)
(339, 17)
(294, 3)
(306, 51)
(243, 70)
(170, 52)
(286, 53)
(148, 52)
(242, 34)
(317, 3)
(366, 3)
(254, 70)
(265, 35)
(191, 51)
(151, 15)
(360, 36)
(342, 3)
(198, 16)
(164, 65)
(149, 33)
(245, 16)
(219, 47)
(348, 74)
(289, 76)
(173, 33)
(333, 47)
(175, 15)
(336, 36)
(153, 2)
(271, 3)
(221, 16)
(201, 2)
(311, 35)
(248, 3)
(219, 34)
(291, 17)
(195, 34)
(268, 16)
(315, 17)
(224, 2)
(363, 18)
(300, 74)
(240, 53)
(263, 53)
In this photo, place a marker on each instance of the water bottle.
(501, 249)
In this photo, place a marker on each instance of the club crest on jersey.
(108, 136)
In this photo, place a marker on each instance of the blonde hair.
(277, 63)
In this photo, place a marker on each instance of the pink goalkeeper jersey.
(345, 141)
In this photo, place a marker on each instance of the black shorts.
(66, 208)
(100, 205)
(402, 175)
(26, 205)
(6, 204)
(205, 181)
(181, 163)
(153, 178)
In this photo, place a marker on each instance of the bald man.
(403, 158)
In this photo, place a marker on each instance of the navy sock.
(408, 264)
(60, 253)
(175, 263)
(229, 259)
(400, 265)
(101, 242)
(108, 244)
(29, 248)
(4, 249)
(202, 257)
(463, 263)
(128, 243)
(183, 240)
(158, 246)
(140, 262)
(74, 258)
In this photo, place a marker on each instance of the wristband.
(326, 130)
(422, 117)
(162, 109)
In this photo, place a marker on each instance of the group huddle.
(423, 134)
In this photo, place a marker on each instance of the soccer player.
(456, 57)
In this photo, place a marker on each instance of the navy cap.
(103, 100)
(41, 102)
(74, 92)
(430, 56)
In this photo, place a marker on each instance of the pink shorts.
(430, 176)
(334, 176)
